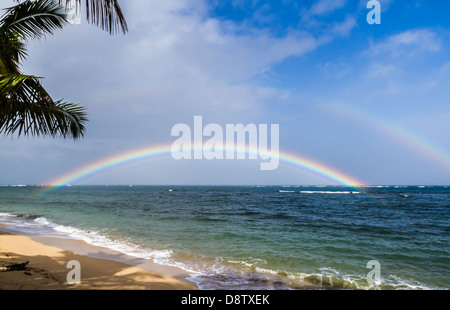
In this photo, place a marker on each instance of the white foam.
(328, 192)
(8, 215)
(360, 281)
(200, 269)
(42, 221)
(92, 237)
(124, 246)
(376, 186)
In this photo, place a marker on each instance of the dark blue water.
(256, 237)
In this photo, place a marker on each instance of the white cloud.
(409, 42)
(175, 62)
(326, 6)
(312, 18)
(336, 70)
(382, 71)
(209, 46)
(344, 28)
(172, 54)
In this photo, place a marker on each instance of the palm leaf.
(33, 19)
(11, 52)
(61, 119)
(26, 108)
(106, 14)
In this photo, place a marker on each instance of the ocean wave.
(332, 278)
(328, 192)
(319, 192)
(251, 274)
(7, 215)
(217, 273)
(375, 186)
(42, 221)
(42, 225)
(97, 238)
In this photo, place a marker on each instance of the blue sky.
(368, 100)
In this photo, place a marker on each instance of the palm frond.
(106, 14)
(12, 51)
(27, 109)
(10, 83)
(33, 19)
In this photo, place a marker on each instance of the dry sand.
(47, 267)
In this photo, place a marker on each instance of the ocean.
(255, 237)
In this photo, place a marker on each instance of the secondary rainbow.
(155, 151)
(404, 136)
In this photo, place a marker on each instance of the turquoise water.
(274, 237)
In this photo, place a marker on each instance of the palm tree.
(25, 106)
(106, 14)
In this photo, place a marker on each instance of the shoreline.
(38, 262)
(78, 247)
(247, 238)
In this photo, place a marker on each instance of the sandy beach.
(40, 263)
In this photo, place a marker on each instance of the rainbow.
(156, 151)
(404, 136)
